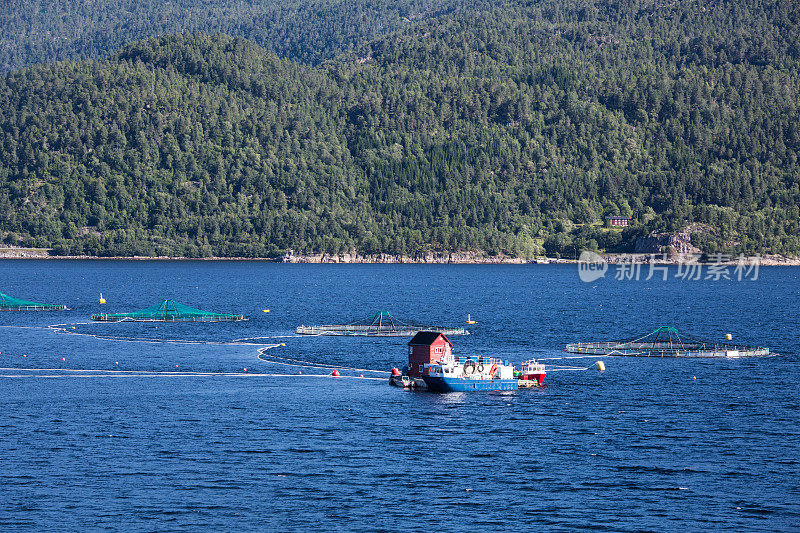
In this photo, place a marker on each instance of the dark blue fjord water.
(642, 446)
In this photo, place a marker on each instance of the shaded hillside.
(501, 131)
(38, 31)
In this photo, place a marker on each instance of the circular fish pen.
(168, 311)
(9, 303)
(666, 342)
(381, 324)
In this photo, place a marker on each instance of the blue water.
(642, 446)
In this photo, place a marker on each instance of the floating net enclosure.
(666, 342)
(169, 311)
(381, 324)
(8, 303)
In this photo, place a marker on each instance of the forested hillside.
(37, 31)
(500, 131)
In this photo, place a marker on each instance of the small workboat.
(531, 374)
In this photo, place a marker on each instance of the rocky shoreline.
(457, 258)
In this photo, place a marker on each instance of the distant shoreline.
(460, 258)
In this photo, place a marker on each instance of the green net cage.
(9, 303)
(665, 341)
(380, 324)
(168, 311)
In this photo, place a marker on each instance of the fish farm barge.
(381, 324)
(168, 311)
(665, 342)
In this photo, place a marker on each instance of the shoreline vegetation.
(455, 258)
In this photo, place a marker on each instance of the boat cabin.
(425, 348)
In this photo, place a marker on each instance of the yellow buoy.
(102, 300)
(265, 310)
(600, 366)
(283, 344)
(728, 336)
(469, 320)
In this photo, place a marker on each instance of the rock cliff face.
(669, 243)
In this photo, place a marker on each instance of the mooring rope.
(274, 359)
(571, 357)
(270, 337)
(99, 373)
(62, 329)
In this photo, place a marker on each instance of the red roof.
(426, 338)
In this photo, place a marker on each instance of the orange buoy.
(24, 355)
(63, 358)
(299, 371)
(176, 366)
(361, 375)
(335, 373)
(244, 370)
(116, 362)
(395, 371)
(694, 377)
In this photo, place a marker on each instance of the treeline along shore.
(462, 258)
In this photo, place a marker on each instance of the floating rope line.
(270, 337)
(62, 329)
(100, 373)
(25, 327)
(570, 357)
(64, 372)
(274, 359)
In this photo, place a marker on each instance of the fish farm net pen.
(168, 311)
(381, 324)
(9, 303)
(666, 342)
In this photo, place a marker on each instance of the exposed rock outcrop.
(671, 244)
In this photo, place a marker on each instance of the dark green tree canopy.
(505, 130)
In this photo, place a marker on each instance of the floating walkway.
(665, 342)
(381, 324)
(168, 311)
(9, 303)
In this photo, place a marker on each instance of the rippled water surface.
(650, 444)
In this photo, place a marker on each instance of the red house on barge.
(425, 348)
(432, 366)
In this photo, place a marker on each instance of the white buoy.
(601, 367)
(728, 336)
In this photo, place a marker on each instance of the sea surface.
(126, 426)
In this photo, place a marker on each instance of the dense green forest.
(38, 31)
(507, 130)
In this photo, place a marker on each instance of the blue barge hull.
(445, 384)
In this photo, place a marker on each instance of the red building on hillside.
(428, 347)
(618, 221)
